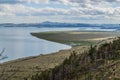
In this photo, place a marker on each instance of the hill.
(61, 24)
(26, 67)
(98, 63)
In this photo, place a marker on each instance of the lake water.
(19, 43)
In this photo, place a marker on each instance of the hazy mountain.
(58, 24)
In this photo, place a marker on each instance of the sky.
(69, 11)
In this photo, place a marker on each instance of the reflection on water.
(19, 43)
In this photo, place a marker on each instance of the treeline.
(90, 65)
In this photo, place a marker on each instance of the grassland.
(76, 38)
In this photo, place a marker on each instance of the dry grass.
(26, 67)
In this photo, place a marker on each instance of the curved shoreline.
(39, 63)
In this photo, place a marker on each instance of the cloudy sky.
(73, 11)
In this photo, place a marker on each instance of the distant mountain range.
(58, 24)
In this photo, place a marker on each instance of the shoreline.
(40, 55)
(58, 52)
(26, 66)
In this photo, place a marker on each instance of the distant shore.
(76, 38)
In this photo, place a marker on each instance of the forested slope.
(98, 63)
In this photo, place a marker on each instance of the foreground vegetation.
(26, 67)
(98, 63)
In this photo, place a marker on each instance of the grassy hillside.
(26, 67)
(98, 63)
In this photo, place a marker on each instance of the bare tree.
(1, 54)
(2, 75)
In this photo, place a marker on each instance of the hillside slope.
(98, 63)
(26, 67)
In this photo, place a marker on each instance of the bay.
(18, 42)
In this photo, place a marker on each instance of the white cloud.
(79, 9)
(86, 1)
(22, 10)
(35, 1)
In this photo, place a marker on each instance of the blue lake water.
(18, 42)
